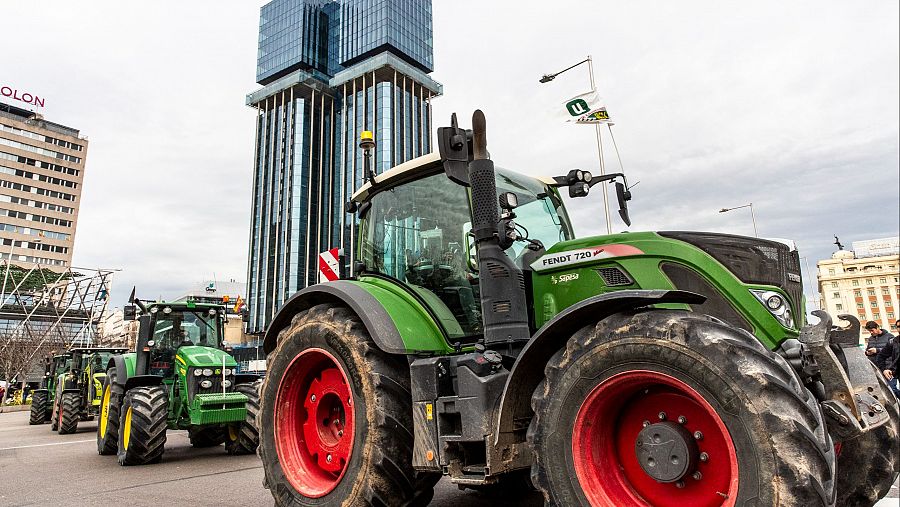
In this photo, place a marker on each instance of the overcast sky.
(790, 105)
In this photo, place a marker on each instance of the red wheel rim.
(314, 423)
(606, 429)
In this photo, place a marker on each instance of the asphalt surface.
(40, 467)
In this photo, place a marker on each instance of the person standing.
(888, 361)
(878, 338)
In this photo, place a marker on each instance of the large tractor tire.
(142, 426)
(669, 408)
(108, 423)
(335, 418)
(243, 438)
(54, 414)
(39, 408)
(868, 465)
(206, 436)
(69, 412)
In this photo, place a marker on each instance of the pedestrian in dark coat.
(878, 338)
(888, 361)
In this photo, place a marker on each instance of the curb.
(14, 408)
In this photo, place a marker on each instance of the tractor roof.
(412, 170)
(186, 304)
(96, 349)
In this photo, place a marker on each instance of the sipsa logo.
(569, 277)
(26, 97)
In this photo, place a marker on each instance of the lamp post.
(752, 215)
(550, 77)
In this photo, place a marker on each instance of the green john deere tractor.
(179, 378)
(79, 389)
(43, 399)
(480, 339)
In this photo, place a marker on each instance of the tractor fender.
(528, 370)
(118, 363)
(142, 381)
(372, 313)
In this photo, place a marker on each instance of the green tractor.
(43, 399)
(179, 378)
(479, 339)
(79, 389)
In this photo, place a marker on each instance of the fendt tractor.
(178, 378)
(43, 399)
(478, 338)
(79, 388)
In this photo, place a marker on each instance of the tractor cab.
(416, 229)
(178, 325)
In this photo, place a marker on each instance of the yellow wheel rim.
(126, 431)
(232, 432)
(104, 412)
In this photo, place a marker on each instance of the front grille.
(685, 278)
(194, 388)
(752, 260)
(614, 277)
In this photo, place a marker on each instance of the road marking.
(44, 445)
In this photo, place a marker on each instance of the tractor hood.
(204, 356)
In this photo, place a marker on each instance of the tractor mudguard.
(121, 366)
(528, 369)
(379, 323)
(143, 381)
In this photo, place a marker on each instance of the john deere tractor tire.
(69, 409)
(108, 420)
(142, 426)
(335, 417)
(206, 436)
(670, 408)
(868, 465)
(54, 414)
(39, 408)
(243, 438)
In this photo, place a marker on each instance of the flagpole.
(600, 152)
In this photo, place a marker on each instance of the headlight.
(227, 383)
(206, 384)
(228, 371)
(777, 306)
(197, 373)
(167, 310)
(207, 372)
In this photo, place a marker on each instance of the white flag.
(586, 108)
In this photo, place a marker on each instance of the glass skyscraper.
(329, 69)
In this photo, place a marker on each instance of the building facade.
(864, 282)
(41, 173)
(329, 70)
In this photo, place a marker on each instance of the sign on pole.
(586, 108)
(329, 265)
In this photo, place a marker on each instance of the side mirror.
(471, 252)
(623, 196)
(129, 312)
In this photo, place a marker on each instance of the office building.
(41, 172)
(329, 70)
(864, 282)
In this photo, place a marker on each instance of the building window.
(876, 316)
(890, 315)
(888, 302)
(839, 306)
(862, 316)
(860, 306)
(831, 271)
(886, 291)
(868, 281)
(836, 295)
(856, 283)
(882, 280)
(874, 304)
(870, 292)
(851, 270)
(834, 285)
(857, 293)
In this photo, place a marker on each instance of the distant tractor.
(79, 389)
(179, 378)
(43, 399)
(479, 339)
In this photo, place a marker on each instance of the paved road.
(39, 467)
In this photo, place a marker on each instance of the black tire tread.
(804, 456)
(69, 413)
(389, 480)
(39, 408)
(149, 409)
(248, 434)
(108, 445)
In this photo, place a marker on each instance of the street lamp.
(752, 215)
(546, 78)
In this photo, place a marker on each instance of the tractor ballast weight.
(573, 357)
